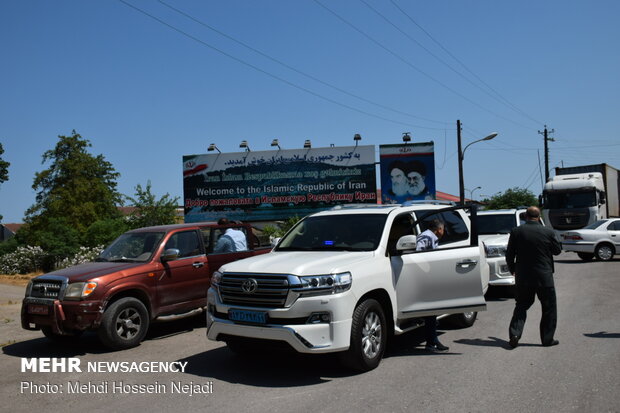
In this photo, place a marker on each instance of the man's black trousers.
(524, 297)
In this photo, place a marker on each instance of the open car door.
(446, 280)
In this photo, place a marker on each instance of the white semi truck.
(579, 196)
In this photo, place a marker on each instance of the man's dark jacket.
(533, 246)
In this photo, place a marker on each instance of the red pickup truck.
(149, 274)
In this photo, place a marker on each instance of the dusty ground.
(18, 279)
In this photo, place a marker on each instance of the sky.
(148, 81)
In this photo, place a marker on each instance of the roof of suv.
(172, 227)
(381, 208)
(501, 211)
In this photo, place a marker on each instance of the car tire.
(70, 338)
(368, 337)
(585, 256)
(124, 325)
(604, 252)
(463, 320)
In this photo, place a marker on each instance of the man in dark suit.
(533, 246)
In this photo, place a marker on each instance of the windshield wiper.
(294, 249)
(101, 259)
(123, 259)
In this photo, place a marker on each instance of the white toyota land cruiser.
(344, 280)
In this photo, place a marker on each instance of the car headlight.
(216, 278)
(323, 284)
(77, 291)
(495, 250)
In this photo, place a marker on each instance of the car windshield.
(496, 224)
(132, 247)
(596, 224)
(559, 200)
(354, 232)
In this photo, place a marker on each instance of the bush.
(22, 261)
(29, 259)
(84, 255)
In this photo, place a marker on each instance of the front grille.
(269, 290)
(46, 288)
(568, 220)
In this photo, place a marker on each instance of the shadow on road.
(266, 369)
(89, 343)
(493, 342)
(504, 293)
(603, 334)
(290, 369)
(580, 261)
(412, 344)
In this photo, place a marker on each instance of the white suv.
(344, 280)
(494, 228)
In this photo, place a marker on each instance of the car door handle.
(198, 264)
(466, 263)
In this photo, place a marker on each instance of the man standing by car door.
(428, 240)
(529, 256)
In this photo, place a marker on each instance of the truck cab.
(574, 201)
(344, 280)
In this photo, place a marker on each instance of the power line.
(296, 86)
(411, 65)
(407, 35)
(463, 65)
(309, 76)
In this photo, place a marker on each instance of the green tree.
(78, 188)
(105, 231)
(511, 198)
(58, 239)
(4, 169)
(280, 228)
(150, 211)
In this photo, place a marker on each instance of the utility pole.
(460, 155)
(545, 133)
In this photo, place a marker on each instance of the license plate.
(38, 309)
(247, 316)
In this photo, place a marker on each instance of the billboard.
(407, 172)
(270, 185)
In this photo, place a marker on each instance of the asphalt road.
(479, 374)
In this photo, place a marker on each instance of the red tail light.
(573, 237)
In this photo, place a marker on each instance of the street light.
(307, 144)
(275, 143)
(461, 154)
(471, 192)
(244, 144)
(212, 148)
(357, 138)
(406, 137)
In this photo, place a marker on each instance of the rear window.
(496, 223)
(596, 224)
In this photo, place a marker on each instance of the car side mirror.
(406, 243)
(170, 254)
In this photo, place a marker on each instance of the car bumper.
(499, 275)
(289, 325)
(586, 247)
(62, 317)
